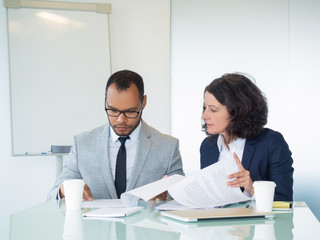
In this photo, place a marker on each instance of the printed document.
(205, 189)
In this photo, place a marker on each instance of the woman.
(234, 113)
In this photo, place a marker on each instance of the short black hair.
(246, 104)
(123, 80)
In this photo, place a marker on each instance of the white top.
(131, 148)
(236, 146)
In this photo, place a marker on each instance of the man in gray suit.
(95, 156)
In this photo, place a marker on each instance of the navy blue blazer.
(267, 157)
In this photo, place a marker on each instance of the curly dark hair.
(123, 80)
(246, 104)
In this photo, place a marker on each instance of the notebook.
(194, 215)
(111, 212)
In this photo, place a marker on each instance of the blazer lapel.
(248, 152)
(103, 154)
(141, 155)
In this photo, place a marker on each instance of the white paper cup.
(264, 232)
(73, 225)
(73, 191)
(264, 194)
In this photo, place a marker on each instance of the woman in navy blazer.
(234, 113)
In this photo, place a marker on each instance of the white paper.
(100, 203)
(112, 212)
(171, 205)
(206, 189)
(149, 191)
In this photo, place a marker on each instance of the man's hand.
(87, 195)
(243, 178)
(161, 196)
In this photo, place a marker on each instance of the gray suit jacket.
(157, 155)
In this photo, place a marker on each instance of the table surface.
(50, 221)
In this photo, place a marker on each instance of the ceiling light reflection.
(60, 19)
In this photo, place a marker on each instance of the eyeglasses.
(128, 114)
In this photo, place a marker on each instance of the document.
(171, 205)
(205, 189)
(148, 191)
(111, 212)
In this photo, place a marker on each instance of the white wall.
(302, 122)
(23, 181)
(275, 41)
(140, 41)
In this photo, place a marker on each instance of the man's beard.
(124, 129)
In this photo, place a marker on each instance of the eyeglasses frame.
(124, 112)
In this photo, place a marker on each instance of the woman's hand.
(242, 177)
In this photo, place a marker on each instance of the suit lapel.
(103, 153)
(144, 146)
(248, 152)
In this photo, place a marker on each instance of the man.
(109, 167)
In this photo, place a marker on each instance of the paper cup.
(264, 194)
(264, 232)
(73, 225)
(73, 191)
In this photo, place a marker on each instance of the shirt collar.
(134, 136)
(237, 143)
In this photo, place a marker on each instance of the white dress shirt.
(236, 146)
(131, 148)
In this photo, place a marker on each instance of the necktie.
(121, 168)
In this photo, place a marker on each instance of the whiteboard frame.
(75, 6)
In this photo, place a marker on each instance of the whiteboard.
(59, 65)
